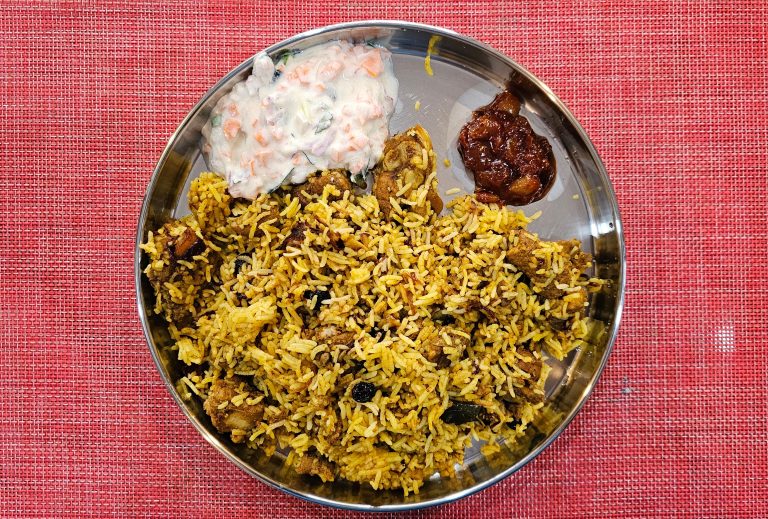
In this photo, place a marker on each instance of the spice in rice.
(366, 344)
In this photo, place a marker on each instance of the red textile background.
(674, 95)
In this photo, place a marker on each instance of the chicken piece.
(434, 351)
(521, 255)
(176, 240)
(296, 236)
(178, 313)
(333, 433)
(408, 158)
(323, 360)
(231, 417)
(333, 336)
(576, 300)
(580, 260)
(316, 465)
(435, 348)
(532, 367)
(187, 245)
(527, 389)
(531, 394)
(557, 324)
(315, 185)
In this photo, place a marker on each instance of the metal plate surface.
(581, 204)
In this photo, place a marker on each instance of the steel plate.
(581, 204)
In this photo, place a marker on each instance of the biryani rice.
(262, 304)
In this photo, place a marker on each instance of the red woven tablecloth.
(674, 95)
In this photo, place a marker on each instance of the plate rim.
(613, 330)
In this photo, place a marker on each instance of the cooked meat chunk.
(296, 236)
(408, 158)
(533, 367)
(385, 188)
(188, 244)
(521, 255)
(176, 240)
(332, 335)
(434, 200)
(530, 393)
(334, 433)
(179, 314)
(580, 260)
(315, 185)
(232, 417)
(316, 465)
(434, 349)
(558, 324)
(439, 351)
(344, 338)
(474, 305)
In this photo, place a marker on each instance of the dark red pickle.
(510, 162)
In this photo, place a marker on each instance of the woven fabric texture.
(674, 95)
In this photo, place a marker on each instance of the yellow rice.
(397, 286)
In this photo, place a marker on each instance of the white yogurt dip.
(326, 107)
